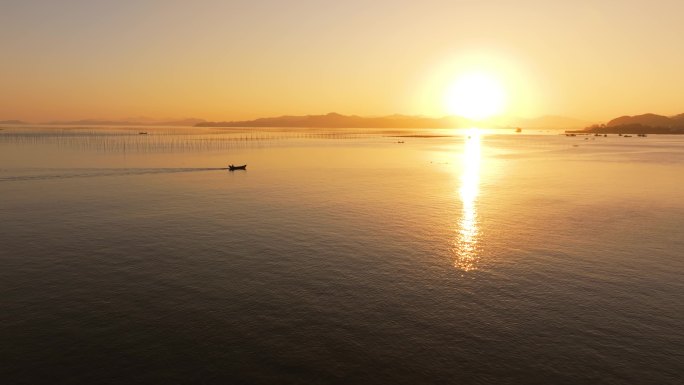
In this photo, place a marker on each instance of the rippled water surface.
(339, 256)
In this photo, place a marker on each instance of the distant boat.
(233, 168)
(518, 129)
(142, 133)
(627, 136)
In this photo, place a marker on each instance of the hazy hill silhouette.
(651, 120)
(12, 122)
(679, 119)
(139, 121)
(639, 124)
(335, 120)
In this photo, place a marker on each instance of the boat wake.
(46, 174)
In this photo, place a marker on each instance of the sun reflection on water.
(466, 245)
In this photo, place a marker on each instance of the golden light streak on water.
(466, 245)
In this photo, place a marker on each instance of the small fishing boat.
(233, 168)
(142, 133)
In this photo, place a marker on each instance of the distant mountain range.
(642, 123)
(651, 120)
(335, 120)
(11, 122)
(138, 121)
(639, 124)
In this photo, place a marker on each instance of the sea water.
(339, 256)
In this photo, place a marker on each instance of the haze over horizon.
(243, 60)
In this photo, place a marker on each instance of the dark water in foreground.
(339, 257)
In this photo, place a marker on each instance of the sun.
(476, 96)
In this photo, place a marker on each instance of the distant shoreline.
(631, 129)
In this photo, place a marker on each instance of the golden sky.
(225, 60)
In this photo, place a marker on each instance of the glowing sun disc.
(475, 96)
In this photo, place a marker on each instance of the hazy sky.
(223, 60)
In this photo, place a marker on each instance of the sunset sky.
(224, 60)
